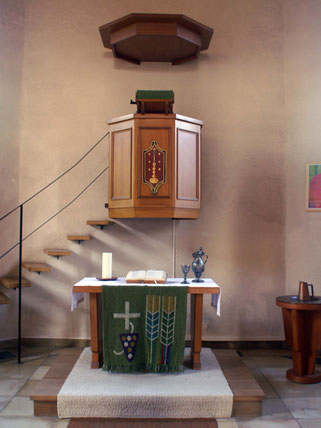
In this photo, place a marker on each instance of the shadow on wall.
(258, 248)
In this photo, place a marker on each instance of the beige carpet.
(193, 394)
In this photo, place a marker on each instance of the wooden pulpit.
(155, 166)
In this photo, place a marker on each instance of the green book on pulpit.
(154, 101)
(144, 328)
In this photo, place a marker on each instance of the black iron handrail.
(53, 216)
(56, 179)
(21, 239)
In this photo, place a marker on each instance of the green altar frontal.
(144, 328)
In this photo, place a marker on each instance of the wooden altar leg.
(196, 329)
(96, 331)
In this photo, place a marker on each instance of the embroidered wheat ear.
(152, 327)
(167, 326)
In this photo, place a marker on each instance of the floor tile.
(225, 352)
(274, 361)
(264, 352)
(40, 373)
(28, 422)
(285, 388)
(227, 423)
(267, 422)
(67, 351)
(18, 406)
(304, 407)
(274, 373)
(273, 406)
(4, 400)
(63, 423)
(10, 386)
(288, 389)
(34, 361)
(50, 360)
(249, 363)
(309, 423)
(32, 351)
(17, 371)
(264, 384)
(28, 388)
(8, 362)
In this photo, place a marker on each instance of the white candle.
(107, 264)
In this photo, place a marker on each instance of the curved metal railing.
(22, 239)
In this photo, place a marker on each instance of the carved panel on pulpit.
(154, 167)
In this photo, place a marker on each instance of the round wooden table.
(302, 327)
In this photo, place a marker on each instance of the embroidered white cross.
(127, 315)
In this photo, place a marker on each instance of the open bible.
(147, 277)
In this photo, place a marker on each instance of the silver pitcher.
(198, 264)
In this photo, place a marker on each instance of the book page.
(135, 275)
(155, 276)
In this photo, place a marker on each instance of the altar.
(93, 287)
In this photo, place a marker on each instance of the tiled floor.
(287, 404)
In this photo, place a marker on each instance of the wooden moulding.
(157, 116)
(179, 213)
(140, 37)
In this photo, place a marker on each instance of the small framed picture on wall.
(313, 187)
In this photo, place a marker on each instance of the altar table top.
(94, 285)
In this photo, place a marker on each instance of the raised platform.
(247, 400)
(189, 395)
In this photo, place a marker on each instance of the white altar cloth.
(78, 297)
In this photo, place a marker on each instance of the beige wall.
(303, 113)
(72, 85)
(11, 59)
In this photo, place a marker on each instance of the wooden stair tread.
(239, 378)
(50, 385)
(56, 252)
(78, 237)
(13, 282)
(246, 390)
(60, 371)
(47, 390)
(36, 267)
(98, 222)
(4, 300)
(63, 365)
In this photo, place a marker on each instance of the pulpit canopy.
(152, 37)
